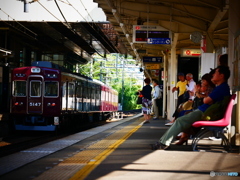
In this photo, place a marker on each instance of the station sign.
(159, 41)
(190, 52)
(141, 33)
(152, 59)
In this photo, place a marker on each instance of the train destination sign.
(159, 41)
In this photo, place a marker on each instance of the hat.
(180, 74)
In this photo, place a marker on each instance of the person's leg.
(180, 125)
(155, 109)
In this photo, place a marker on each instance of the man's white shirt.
(157, 94)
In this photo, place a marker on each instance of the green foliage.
(129, 95)
(113, 76)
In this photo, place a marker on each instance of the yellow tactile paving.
(82, 163)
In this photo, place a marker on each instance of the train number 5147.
(34, 104)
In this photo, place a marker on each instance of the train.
(47, 97)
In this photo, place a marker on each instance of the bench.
(214, 128)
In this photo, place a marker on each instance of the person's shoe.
(164, 147)
(160, 146)
(155, 118)
(169, 124)
(155, 146)
(182, 141)
(179, 136)
(214, 138)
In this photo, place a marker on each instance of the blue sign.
(159, 41)
(152, 59)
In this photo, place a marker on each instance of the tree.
(110, 71)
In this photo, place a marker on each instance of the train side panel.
(44, 98)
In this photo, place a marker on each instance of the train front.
(35, 98)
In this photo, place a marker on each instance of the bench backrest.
(221, 122)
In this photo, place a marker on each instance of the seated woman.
(203, 91)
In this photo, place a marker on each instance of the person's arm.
(207, 100)
(191, 89)
(175, 88)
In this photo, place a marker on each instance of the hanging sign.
(159, 41)
(152, 66)
(190, 52)
(152, 59)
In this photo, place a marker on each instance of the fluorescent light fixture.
(5, 50)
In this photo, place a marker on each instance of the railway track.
(24, 140)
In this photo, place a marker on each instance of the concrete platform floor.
(134, 160)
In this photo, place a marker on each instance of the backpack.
(217, 110)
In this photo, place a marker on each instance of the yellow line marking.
(98, 159)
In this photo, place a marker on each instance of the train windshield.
(51, 89)
(19, 88)
(35, 88)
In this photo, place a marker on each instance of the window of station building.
(51, 89)
(19, 88)
(35, 88)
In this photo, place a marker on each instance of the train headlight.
(18, 103)
(51, 104)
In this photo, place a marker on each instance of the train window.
(51, 88)
(70, 90)
(19, 88)
(35, 88)
(79, 91)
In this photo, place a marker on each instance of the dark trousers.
(180, 100)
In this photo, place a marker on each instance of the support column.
(5, 89)
(171, 83)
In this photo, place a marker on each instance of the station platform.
(118, 150)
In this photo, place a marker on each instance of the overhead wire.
(18, 24)
(87, 21)
(62, 15)
(86, 10)
(66, 23)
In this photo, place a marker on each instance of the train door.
(71, 98)
(34, 104)
(79, 97)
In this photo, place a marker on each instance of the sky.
(47, 10)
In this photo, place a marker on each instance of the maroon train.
(45, 98)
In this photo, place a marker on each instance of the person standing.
(146, 100)
(181, 87)
(156, 97)
(190, 87)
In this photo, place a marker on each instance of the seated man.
(220, 78)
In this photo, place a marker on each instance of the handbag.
(139, 100)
